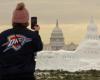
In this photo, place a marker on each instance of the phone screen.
(33, 22)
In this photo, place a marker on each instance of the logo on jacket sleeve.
(16, 42)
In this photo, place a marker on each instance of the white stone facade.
(57, 41)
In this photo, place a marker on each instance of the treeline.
(66, 75)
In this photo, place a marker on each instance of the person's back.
(17, 49)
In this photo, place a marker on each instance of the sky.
(73, 16)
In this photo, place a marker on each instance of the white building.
(57, 41)
(91, 43)
(57, 38)
(85, 57)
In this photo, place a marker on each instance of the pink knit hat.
(20, 15)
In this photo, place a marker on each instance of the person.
(18, 46)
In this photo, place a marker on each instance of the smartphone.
(33, 22)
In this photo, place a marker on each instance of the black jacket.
(17, 48)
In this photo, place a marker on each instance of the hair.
(20, 24)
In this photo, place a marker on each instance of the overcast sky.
(67, 11)
(73, 14)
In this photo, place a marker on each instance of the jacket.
(17, 50)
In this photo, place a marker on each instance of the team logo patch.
(16, 42)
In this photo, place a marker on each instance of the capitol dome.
(92, 32)
(57, 38)
(57, 32)
(90, 45)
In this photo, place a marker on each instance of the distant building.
(57, 41)
(91, 43)
(70, 47)
(57, 38)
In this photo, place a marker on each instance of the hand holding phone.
(33, 22)
(36, 28)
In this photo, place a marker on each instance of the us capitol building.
(57, 41)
